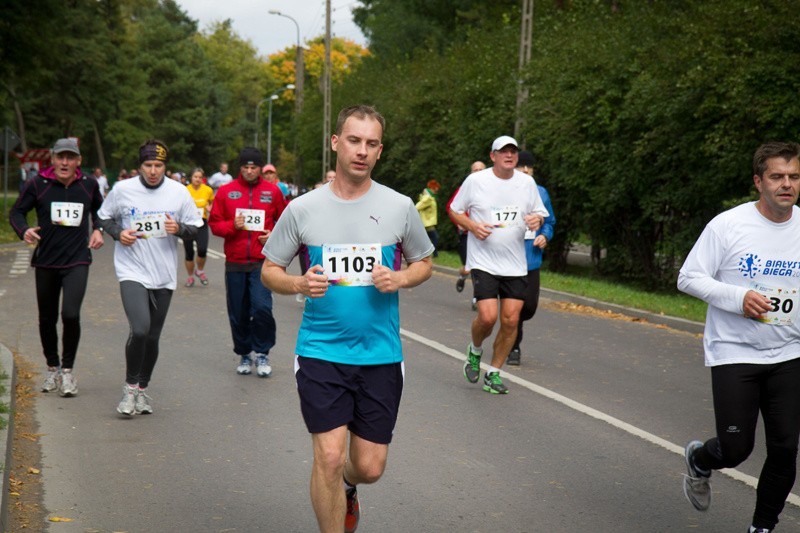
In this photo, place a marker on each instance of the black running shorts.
(364, 398)
(487, 286)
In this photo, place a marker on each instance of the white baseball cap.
(502, 141)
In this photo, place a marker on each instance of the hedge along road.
(589, 439)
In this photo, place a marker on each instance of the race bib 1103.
(350, 265)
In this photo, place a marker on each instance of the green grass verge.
(7, 234)
(672, 304)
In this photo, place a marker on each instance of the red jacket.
(242, 246)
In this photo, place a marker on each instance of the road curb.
(6, 435)
(680, 324)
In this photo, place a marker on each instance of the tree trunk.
(20, 118)
(98, 146)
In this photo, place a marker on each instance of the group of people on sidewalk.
(355, 234)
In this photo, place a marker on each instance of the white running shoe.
(142, 405)
(127, 406)
(69, 385)
(696, 486)
(262, 366)
(245, 366)
(51, 379)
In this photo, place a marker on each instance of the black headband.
(152, 151)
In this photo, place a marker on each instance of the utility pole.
(326, 95)
(526, 33)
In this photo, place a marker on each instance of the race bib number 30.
(350, 265)
(784, 304)
(150, 226)
(253, 218)
(66, 213)
(506, 217)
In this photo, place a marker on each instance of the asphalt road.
(589, 439)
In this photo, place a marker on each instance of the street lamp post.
(270, 98)
(298, 67)
(269, 129)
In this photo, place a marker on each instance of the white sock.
(476, 349)
(492, 369)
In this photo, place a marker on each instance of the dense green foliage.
(643, 115)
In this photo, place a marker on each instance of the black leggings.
(462, 247)
(740, 392)
(202, 243)
(531, 304)
(50, 283)
(146, 310)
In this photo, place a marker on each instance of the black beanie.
(251, 156)
(526, 159)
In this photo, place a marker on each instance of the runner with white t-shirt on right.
(744, 266)
(146, 215)
(502, 203)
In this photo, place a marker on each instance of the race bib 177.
(506, 217)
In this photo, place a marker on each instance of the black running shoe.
(460, 284)
(514, 357)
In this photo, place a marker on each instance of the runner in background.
(244, 213)
(66, 204)
(502, 205)
(203, 197)
(146, 215)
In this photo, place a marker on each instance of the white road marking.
(594, 413)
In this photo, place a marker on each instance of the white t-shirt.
(219, 179)
(102, 181)
(150, 261)
(741, 250)
(502, 203)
